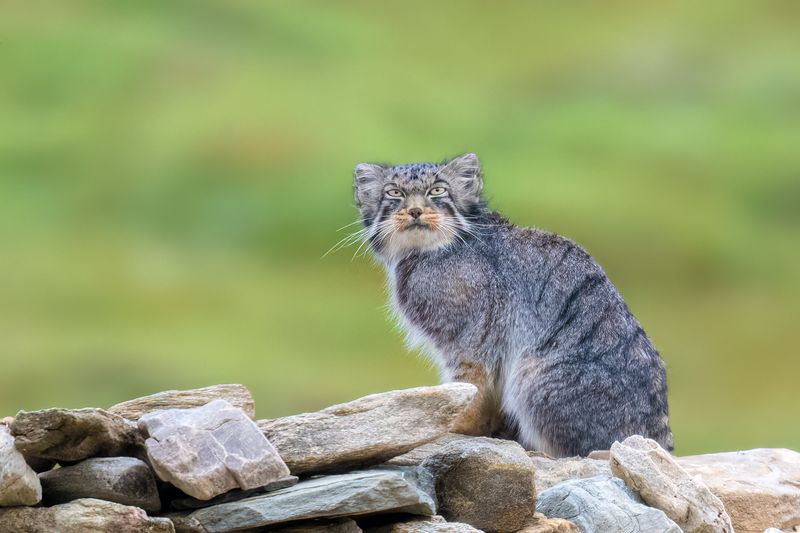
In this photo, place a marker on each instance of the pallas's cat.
(527, 316)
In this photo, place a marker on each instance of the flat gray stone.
(550, 472)
(75, 434)
(82, 516)
(760, 488)
(354, 494)
(420, 453)
(123, 480)
(233, 495)
(19, 484)
(338, 525)
(208, 450)
(651, 472)
(433, 524)
(603, 504)
(485, 483)
(235, 394)
(369, 430)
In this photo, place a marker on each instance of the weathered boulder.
(123, 480)
(19, 484)
(82, 516)
(233, 495)
(75, 434)
(603, 503)
(368, 430)
(338, 525)
(760, 488)
(649, 471)
(542, 524)
(208, 450)
(357, 493)
(551, 471)
(236, 395)
(433, 524)
(485, 484)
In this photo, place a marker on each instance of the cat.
(527, 316)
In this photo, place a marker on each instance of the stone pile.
(199, 461)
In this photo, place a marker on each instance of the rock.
(603, 455)
(6, 421)
(19, 484)
(433, 524)
(760, 488)
(208, 450)
(123, 480)
(75, 434)
(485, 484)
(369, 430)
(82, 516)
(341, 525)
(234, 394)
(649, 471)
(233, 495)
(357, 493)
(542, 524)
(603, 504)
(420, 453)
(550, 472)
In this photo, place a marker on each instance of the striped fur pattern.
(528, 316)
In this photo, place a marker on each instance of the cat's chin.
(419, 238)
(417, 227)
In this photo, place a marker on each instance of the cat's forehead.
(413, 172)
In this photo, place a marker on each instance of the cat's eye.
(394, 193)
(437, 191)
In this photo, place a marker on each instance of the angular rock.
(236, 395)
(485, 484)
(82, 516)
(542, 524)
(233, 495)
(649, 471)
(357, 493)
(550, 472)
(603, 503)
(208, 450)
(433, 524)
(760, 488)
(340, 525)
(75, 434)
(420, 453)
(19, 484)
(123, 480)
(368, 430)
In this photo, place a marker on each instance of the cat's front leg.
(482, 417)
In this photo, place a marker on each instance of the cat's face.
(419, 206)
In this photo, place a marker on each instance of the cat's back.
(536, 259)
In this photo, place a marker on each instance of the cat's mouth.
(416, 224)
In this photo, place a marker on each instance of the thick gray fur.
(570, 367)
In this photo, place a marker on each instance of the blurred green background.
(171, 173)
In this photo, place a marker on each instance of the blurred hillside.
(172, 172)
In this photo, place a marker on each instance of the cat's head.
(418, 206)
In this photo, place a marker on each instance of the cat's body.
(528, 316)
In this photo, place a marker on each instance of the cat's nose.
(415, 212)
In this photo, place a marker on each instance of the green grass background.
(171, 173)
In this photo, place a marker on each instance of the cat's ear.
(464, 173)
(367, 187)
